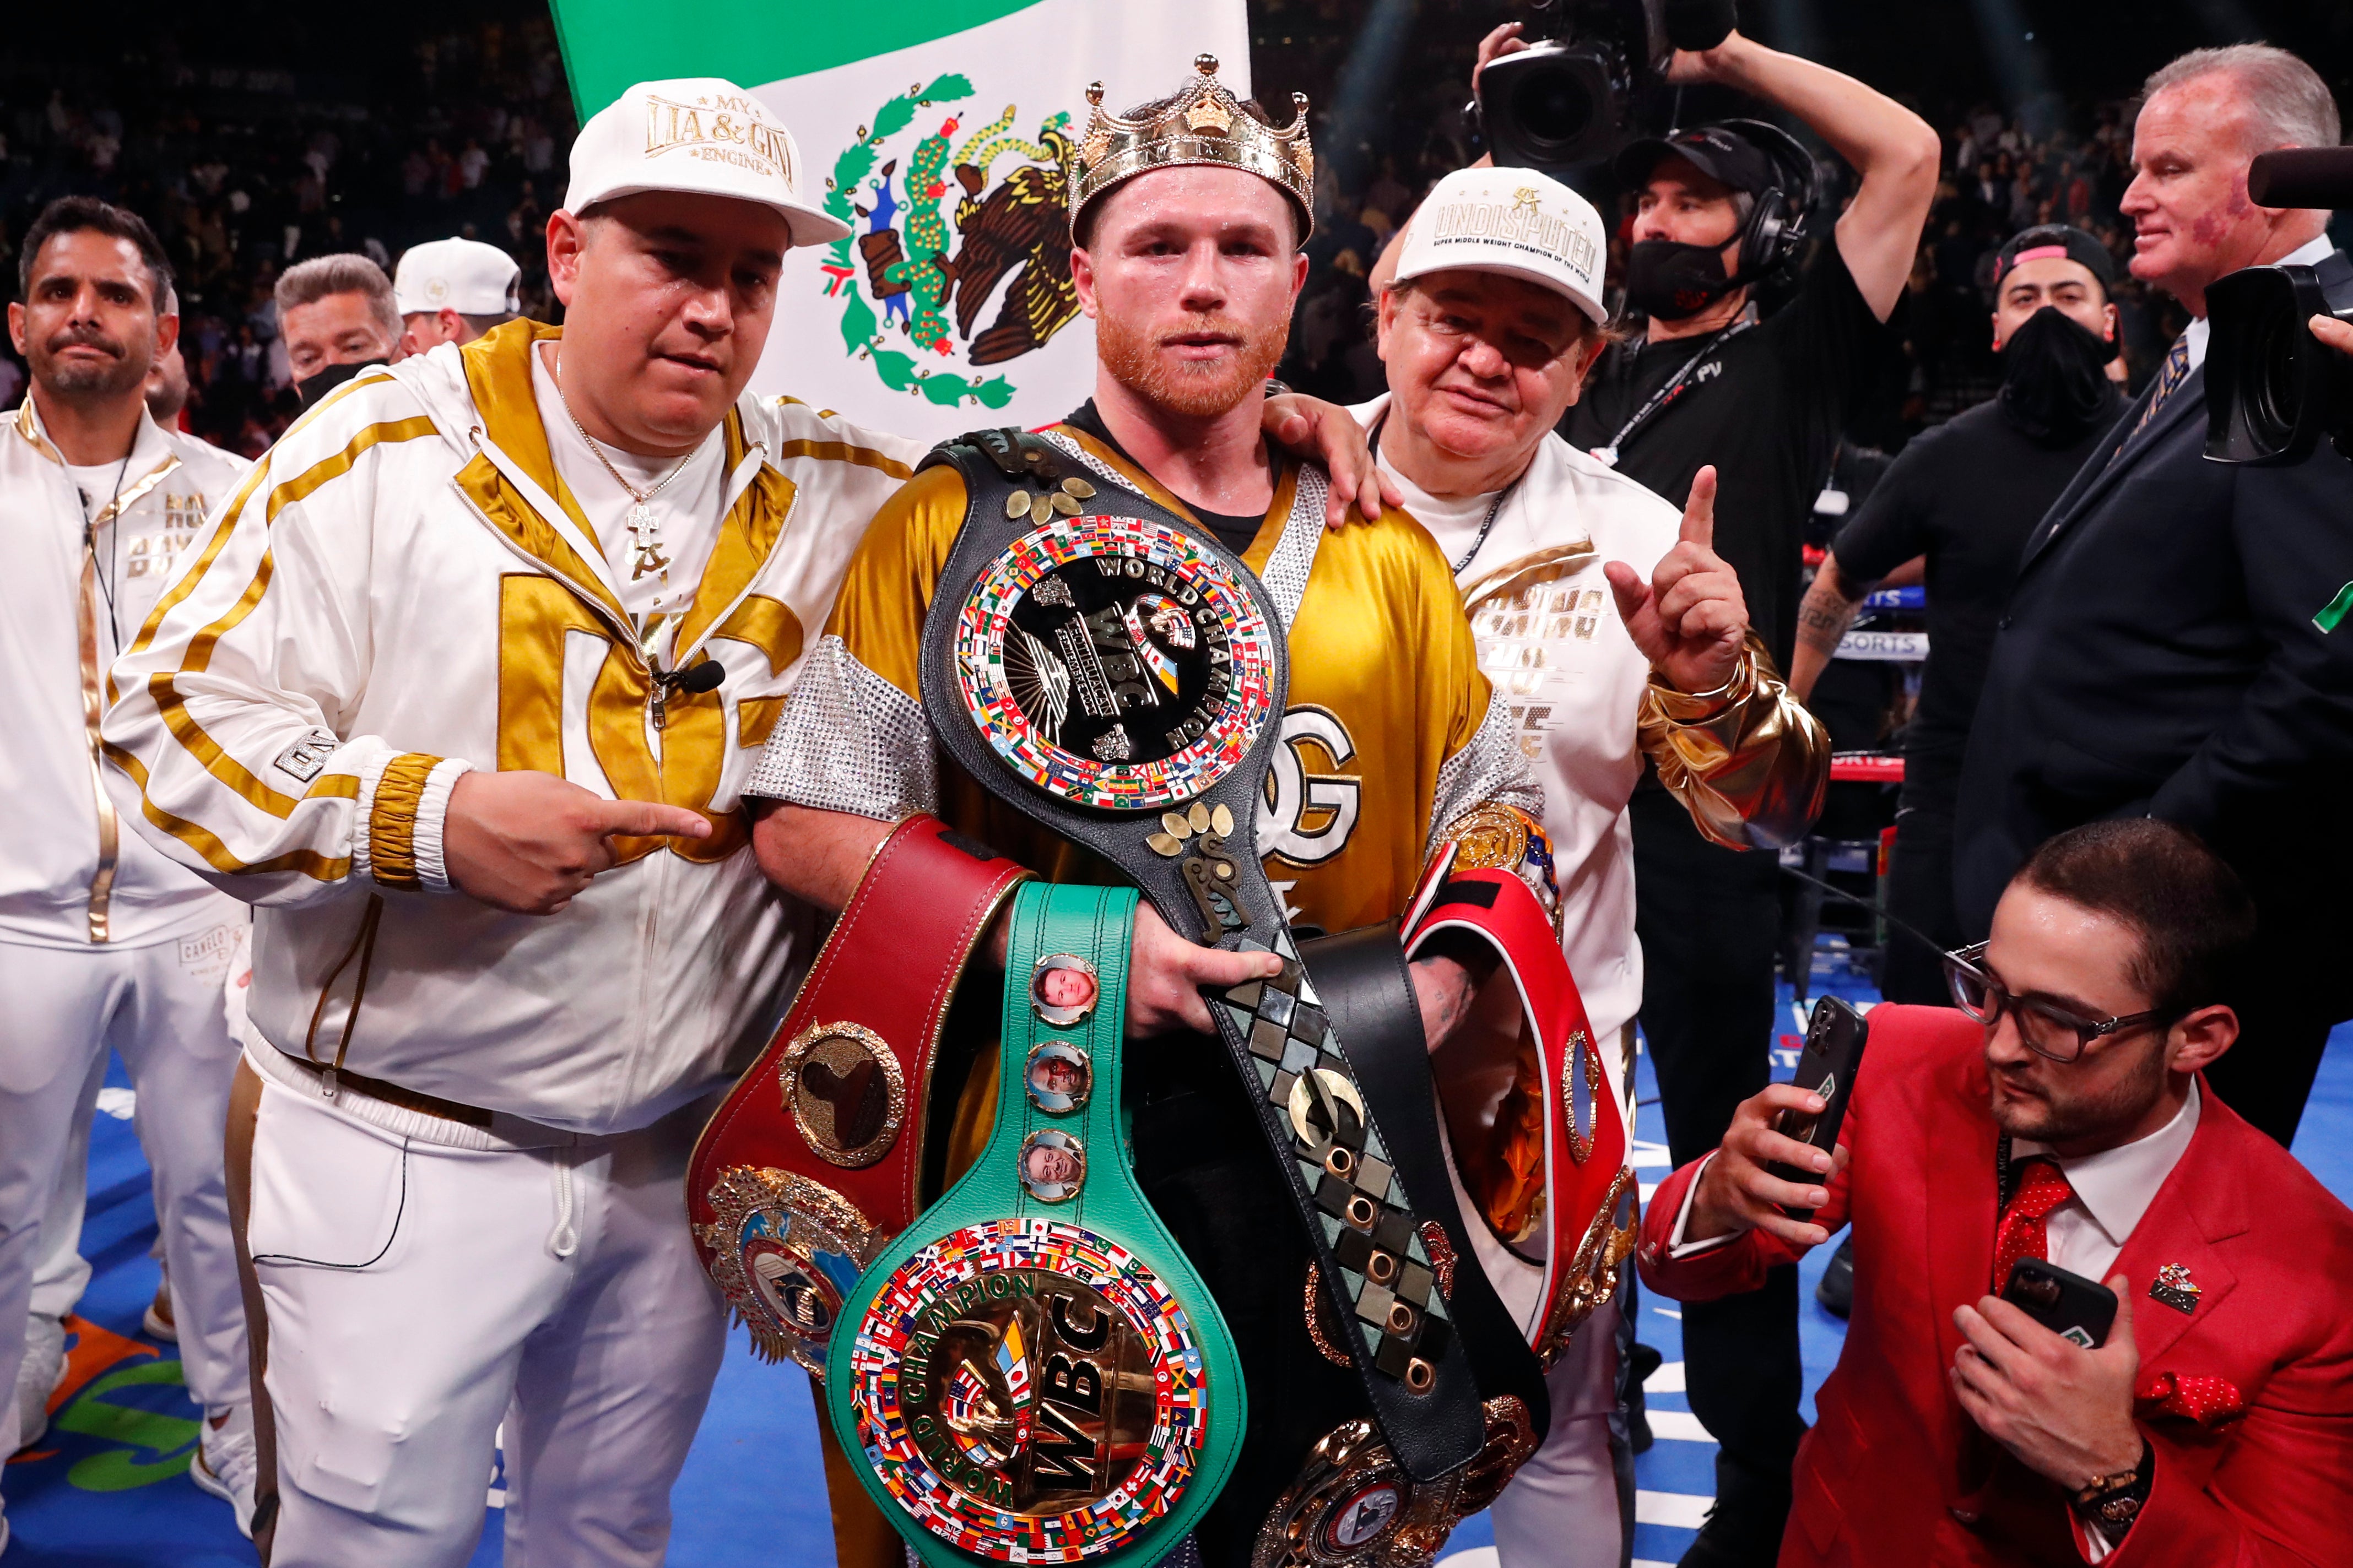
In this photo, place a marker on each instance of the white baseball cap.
(1513, 221)
(461, 275)
(699, 135)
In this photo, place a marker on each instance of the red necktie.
(2042, 1187)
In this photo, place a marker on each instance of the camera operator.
(2062, 1115)
(1966, 495)
(1708, 381)
(2171, 647)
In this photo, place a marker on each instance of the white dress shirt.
(2113, 1190)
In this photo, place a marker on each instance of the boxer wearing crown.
(1187, 215)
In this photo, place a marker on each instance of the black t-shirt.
(1236, 533)
(1765, 409)
(1966, 495)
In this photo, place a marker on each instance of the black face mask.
(312, 388)
(2055, 381)
(1671, 280)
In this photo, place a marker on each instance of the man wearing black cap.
(1964, 495)
(1708, 381)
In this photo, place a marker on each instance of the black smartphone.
(1835, 1037)
(2069, 1305)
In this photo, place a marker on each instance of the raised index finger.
(1699, 511)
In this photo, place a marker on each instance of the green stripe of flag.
(610, 44)
(2335, 609)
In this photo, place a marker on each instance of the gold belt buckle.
(1353, 1506)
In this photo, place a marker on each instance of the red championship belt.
(1570, 1137)
(813, 1161)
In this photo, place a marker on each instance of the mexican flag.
(940, 129)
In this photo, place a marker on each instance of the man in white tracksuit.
(104, 944)
(460, 693)
(1614, 634)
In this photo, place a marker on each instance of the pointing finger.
(646, 818)
(1699, 511)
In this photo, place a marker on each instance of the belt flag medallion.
(1030, 1391)
(1114, 663)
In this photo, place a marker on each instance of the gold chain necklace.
(645, 529)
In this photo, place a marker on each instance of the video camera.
(2272, 389)
(1562, 102)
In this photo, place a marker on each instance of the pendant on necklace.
(644, 529)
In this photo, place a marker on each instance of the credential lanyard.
(1660, 398)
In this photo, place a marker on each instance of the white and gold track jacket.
(78, 580)
(405, 589)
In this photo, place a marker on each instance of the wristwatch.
(2113, 1501)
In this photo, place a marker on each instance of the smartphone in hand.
(1834, 1040)
(2069, 1305)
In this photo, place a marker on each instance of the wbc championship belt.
(1113, 671)
(816, 1157)
(1035, 1373)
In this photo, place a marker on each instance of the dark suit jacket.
(2159, 657)
(1895, 1475)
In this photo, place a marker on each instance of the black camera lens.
(2270, 383)
(2037, 1290)
(1553, 106)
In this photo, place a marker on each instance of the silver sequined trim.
(848, 741)
(1294, 554)
(1491, 768)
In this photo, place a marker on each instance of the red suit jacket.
(1896, 1474)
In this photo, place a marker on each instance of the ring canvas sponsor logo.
(121, 1419)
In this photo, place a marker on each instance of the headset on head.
(1781, 220)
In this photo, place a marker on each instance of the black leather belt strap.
(1362, 977)
(1336, 1156)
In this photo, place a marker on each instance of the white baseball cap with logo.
(700, 136)
(461, 275)
(1516, 222)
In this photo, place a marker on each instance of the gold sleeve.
(886, 593)
(1747, 760)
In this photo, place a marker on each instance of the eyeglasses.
(2049, 1030)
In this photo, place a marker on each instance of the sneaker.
(227, 1466)
(1644, 1363)
(1836, 1292)
(41, 1373)
(1733, 1537)
(158, 1321)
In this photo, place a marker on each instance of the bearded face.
(88, 328)
(1191, 274)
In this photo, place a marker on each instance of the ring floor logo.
(121, 1418)
(915, 282)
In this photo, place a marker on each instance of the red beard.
(1194, 390)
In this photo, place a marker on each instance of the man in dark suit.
(2170, 647)
(2067, 1121)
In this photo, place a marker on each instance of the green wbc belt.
(1034, 1372)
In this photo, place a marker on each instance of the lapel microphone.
(706, 675)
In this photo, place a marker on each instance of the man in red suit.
(2065, 1120)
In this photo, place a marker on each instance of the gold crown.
(1204, 123)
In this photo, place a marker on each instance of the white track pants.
(159, 1006)
(413, 1291)
(1561, 1510)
